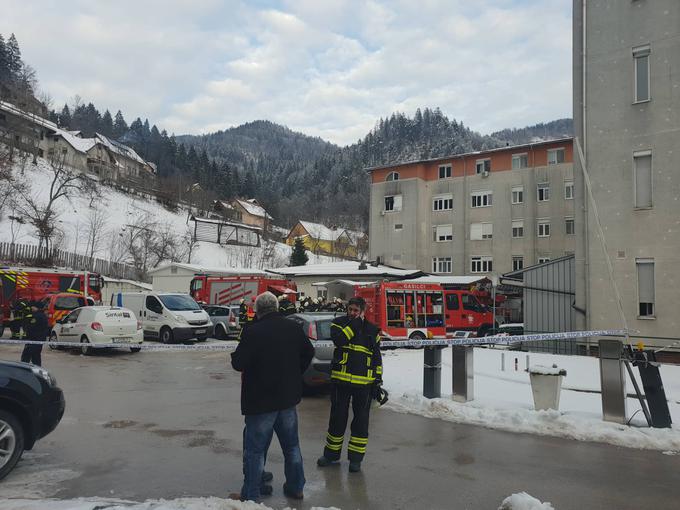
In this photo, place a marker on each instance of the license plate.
(120, 340)
(200, 331)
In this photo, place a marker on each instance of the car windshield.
(323, 329)
(179, 302)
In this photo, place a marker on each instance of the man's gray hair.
(266, 303)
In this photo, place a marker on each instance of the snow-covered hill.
(122, 212)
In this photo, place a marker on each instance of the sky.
(327, 68)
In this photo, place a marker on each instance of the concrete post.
(432, 372)
(463, 377)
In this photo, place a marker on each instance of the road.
(167, 425)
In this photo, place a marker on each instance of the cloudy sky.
(327, 68)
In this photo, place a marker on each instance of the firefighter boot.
(324, 461)
(354, 466)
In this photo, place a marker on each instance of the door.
(452, 311)
(153, 315)
(66, 331)
(471, 311)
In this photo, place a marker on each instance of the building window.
(520, 161)
(517, 263)
(392, 176)
(482, 198)
(517, 194)
(543, 260)
(569, 226)
(483, 165)
(441, 265)
(443, 233)
(481, 264)
(543, 192)
(568, 190)
(398, 227)
(442, 202)
(444, 171)
(543, 228)
(642, 166)
(517, 229)
(645, 274)
(393, 203)
(555, 156)
(480, 231)
(642, 82)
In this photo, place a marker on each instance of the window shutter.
(397, 202)
(643, 181)
(475, 231)
(646, 282)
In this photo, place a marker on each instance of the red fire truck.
(423, 310)
(229, 290)
(36, 284)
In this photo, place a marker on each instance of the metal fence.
(28, 254)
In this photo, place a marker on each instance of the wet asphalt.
(167, 425)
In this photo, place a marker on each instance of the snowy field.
(121, 211)
(503, 399)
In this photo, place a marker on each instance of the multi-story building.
(484, 212)
(626, 65)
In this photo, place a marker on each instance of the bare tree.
(96, 223)
(41, 212)
(190, 243)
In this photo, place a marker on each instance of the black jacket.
(357, 359)
(36, 327)
(273, 354)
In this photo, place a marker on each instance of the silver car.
(317, 326)
(224, 319)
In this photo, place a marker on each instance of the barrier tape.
(388, 342)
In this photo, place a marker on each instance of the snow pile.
(523, 501)
(503, 399)
(543, 370)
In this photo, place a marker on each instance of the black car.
(31, 406)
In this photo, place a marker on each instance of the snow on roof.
(344, 268)
(253, 208)
(222, 222)
(119, 148)
(36, 119)
(450, 280)
(199, 269)
(341, 282)
(143, 285)
(322, 232)
(79, 144)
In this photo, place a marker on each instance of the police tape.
(386, 342)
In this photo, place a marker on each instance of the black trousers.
(32, 354)
(341, 396)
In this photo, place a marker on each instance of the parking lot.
(168, 425)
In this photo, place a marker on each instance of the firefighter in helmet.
(285, 306)
(21, 310)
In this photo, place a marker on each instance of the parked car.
(224, 319)
(317, 326)
(99, 325)
(509, 329)
(31, 406)
(57, 306)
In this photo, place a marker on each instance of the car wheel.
(85, 347)
(135, 349)
(166, 335)
(416, 335)
(220, 333)
(53, 338)
(11, 442)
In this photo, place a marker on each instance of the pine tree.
(13, 56)
(4, 71)
(120, 127)
(65, 117)
(299, 257)
(106, 125)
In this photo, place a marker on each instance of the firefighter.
(356, 374)
(36, 329)
(20, 310)
(242, 313)
(285, 306)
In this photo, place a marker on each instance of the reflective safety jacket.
(356, 359)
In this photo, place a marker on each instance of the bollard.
(502, 362)
(463, 376)
(527, 363)
(515, 364)
(432, 372)
(613, 381)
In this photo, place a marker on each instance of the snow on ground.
(503, 399)
(124, 210)
(523, 501)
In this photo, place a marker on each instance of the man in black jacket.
(37, 329)
(272, 355)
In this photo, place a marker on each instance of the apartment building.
(626, 65)
(486, 212)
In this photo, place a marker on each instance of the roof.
(473, 153)
(36, 119)
(341, 282)
(142, 285)
(222, 222)
(79, 144)
(322, 232)
(448, 280)
(119, 148)
(252, 207)
(200, 269)
(345, 268)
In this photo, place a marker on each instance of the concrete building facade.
(486, 212)
(626, 65)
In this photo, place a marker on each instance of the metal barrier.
(612, 381)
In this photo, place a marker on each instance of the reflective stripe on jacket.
(357, 358)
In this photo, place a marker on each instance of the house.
(245, 211)
(320, 239)
(176, 276)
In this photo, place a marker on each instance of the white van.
(168, 316)
(99, 325)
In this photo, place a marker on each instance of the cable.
(631, 418)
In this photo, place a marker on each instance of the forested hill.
(561, 128)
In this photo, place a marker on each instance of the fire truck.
(423, 310)
(229, 290)
(37, 284)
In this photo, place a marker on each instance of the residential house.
(320, 239)
(245, 211)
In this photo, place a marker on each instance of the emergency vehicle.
(229, 290)
(423, 310)
(36, 284)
